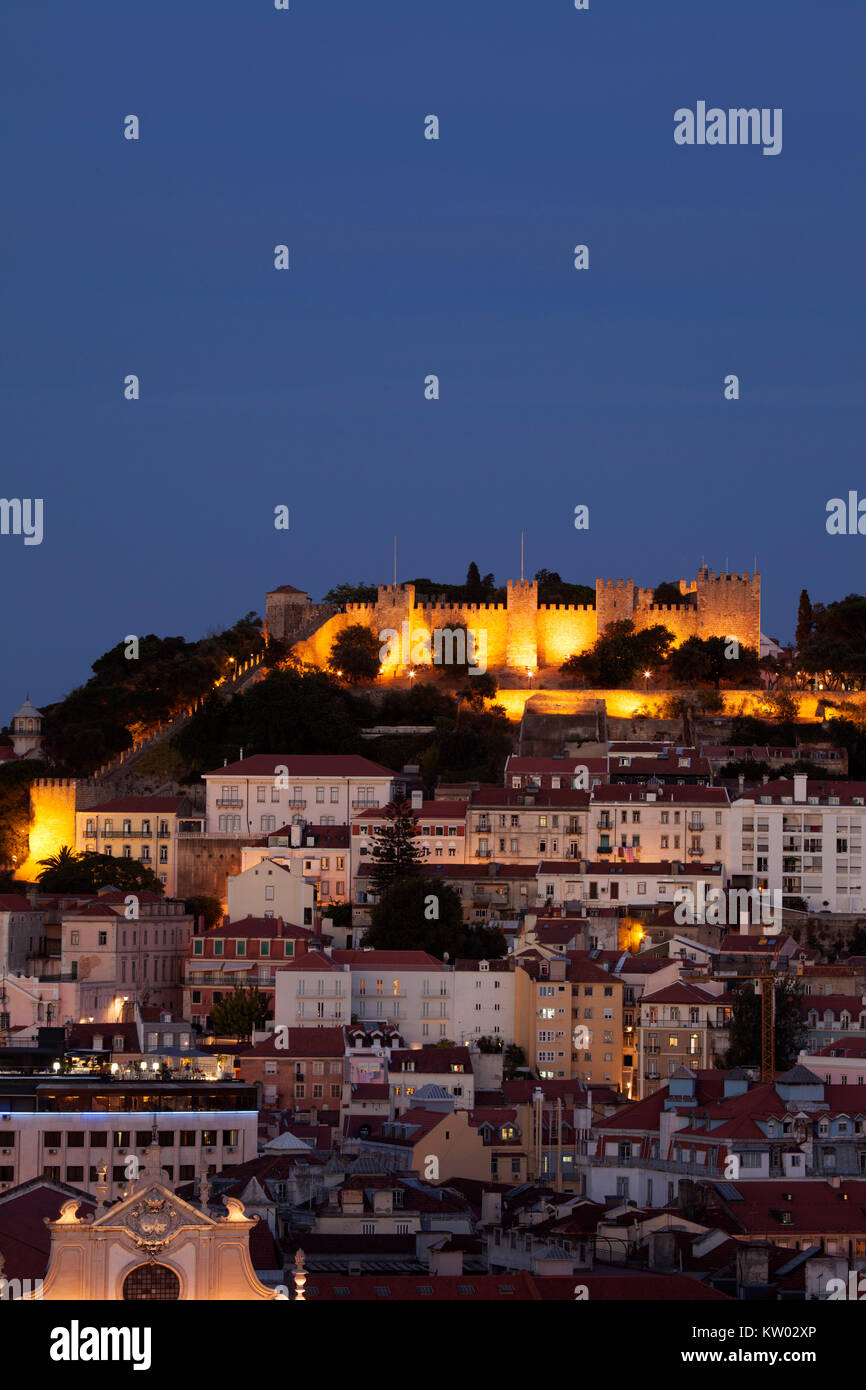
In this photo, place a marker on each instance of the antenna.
(395, 562)
(521, 556)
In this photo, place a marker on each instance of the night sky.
(408, 257)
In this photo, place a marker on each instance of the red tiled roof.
(428, 810)
(402, 960)
(303, 765)
(15, 902)
(301, 1042)
(260, 926)
(24, 1238)
(166, 804)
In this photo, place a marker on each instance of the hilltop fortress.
(522, 633)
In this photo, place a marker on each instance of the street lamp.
(529, 674)
(646, 676)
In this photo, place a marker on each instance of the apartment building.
(320, 852)
(113, 952)
(448, 1069)
(483, 1000)
(256, 795)
(139, 827)
(306, 1068)
(248, 952)
(806, 837)
(20, 931)
(659, 822)
(681, 1025)
(578, 886)
(568, 1018)
(507, 826)
(554, 774)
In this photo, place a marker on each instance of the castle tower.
(27, 729)
(522, 624)
(286, 609)
(729, 605)
(614, 600)
(52, 822)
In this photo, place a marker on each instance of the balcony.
(695, 852)
(603, 824)
(357, 805)
(483, 853)
(605, 849)
(230, 805)
(695, 826)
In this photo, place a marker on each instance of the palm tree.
(64, 872)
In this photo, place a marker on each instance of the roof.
(16, 902)
(784, 787)
(431, 1060)
(381, 960)
(621, 791)
(258, 926)
(565, 767)
(25, 1240)
(796, 1207)
(571, 868)
(301, 1042)
(166, 804)
(302, 765)
(518, 796)
(428, 810)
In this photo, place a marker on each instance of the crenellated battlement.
(566, 608)
(525, 635)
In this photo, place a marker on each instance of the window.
(335, 795)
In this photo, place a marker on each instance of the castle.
(521, 633)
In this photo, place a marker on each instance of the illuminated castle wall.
(522, 634)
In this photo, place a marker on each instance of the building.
(320, 852)
(805, 836)
(681, 1025)
(441, 832)
(448, 1069)
(659, 822)
(138, 827)
(272, 888)
(568, 1019)
(27, 731)
(248, 953)
(578, 886)
(297, 1065)
(483, 1001)
(255, 795)
(20, 931)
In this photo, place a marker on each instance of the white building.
(407, 989)
(804, 836)
(643, 884)
(258, 794)
(272, 889)
(20, 931)
(321, 852)
(483, 1000)
(441, 832)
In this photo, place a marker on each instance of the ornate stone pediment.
(152, 1222)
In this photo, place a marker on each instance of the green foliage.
(669, 594)
(619, 654)
(240, 1013)
(338, 914)
(93, 722)
(479, 688)
(834, 648)
(396, 852)
(790, 1030)
(399, 921)
(355, 654)
(288, 711)
(553, 589)
(701, 659)
(514, 1060)
(201, 905)
(342, 594)
(805, 621)
(15, 780)
(68, 872)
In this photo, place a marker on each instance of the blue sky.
(410, 257)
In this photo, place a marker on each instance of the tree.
(425, 914)
(474, 588)
(355, 654)
(790, 1031)
(240, 1013)
(619, 654)
(201, 905)
(706, 659)
(64, 872)
(514, 1060)
(342, 594)
(395, 854)
(804, 621)
(553, 589)
(670, 595)
(479, 688)
(338, 914)
(68, 872)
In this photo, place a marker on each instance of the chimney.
(753, 1266)
(741, 782)
(800, 784)
(417, 800)
(491, 1208)
(296, 836)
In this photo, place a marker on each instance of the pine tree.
(395, 855)
(474, 587)
(805, 621)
